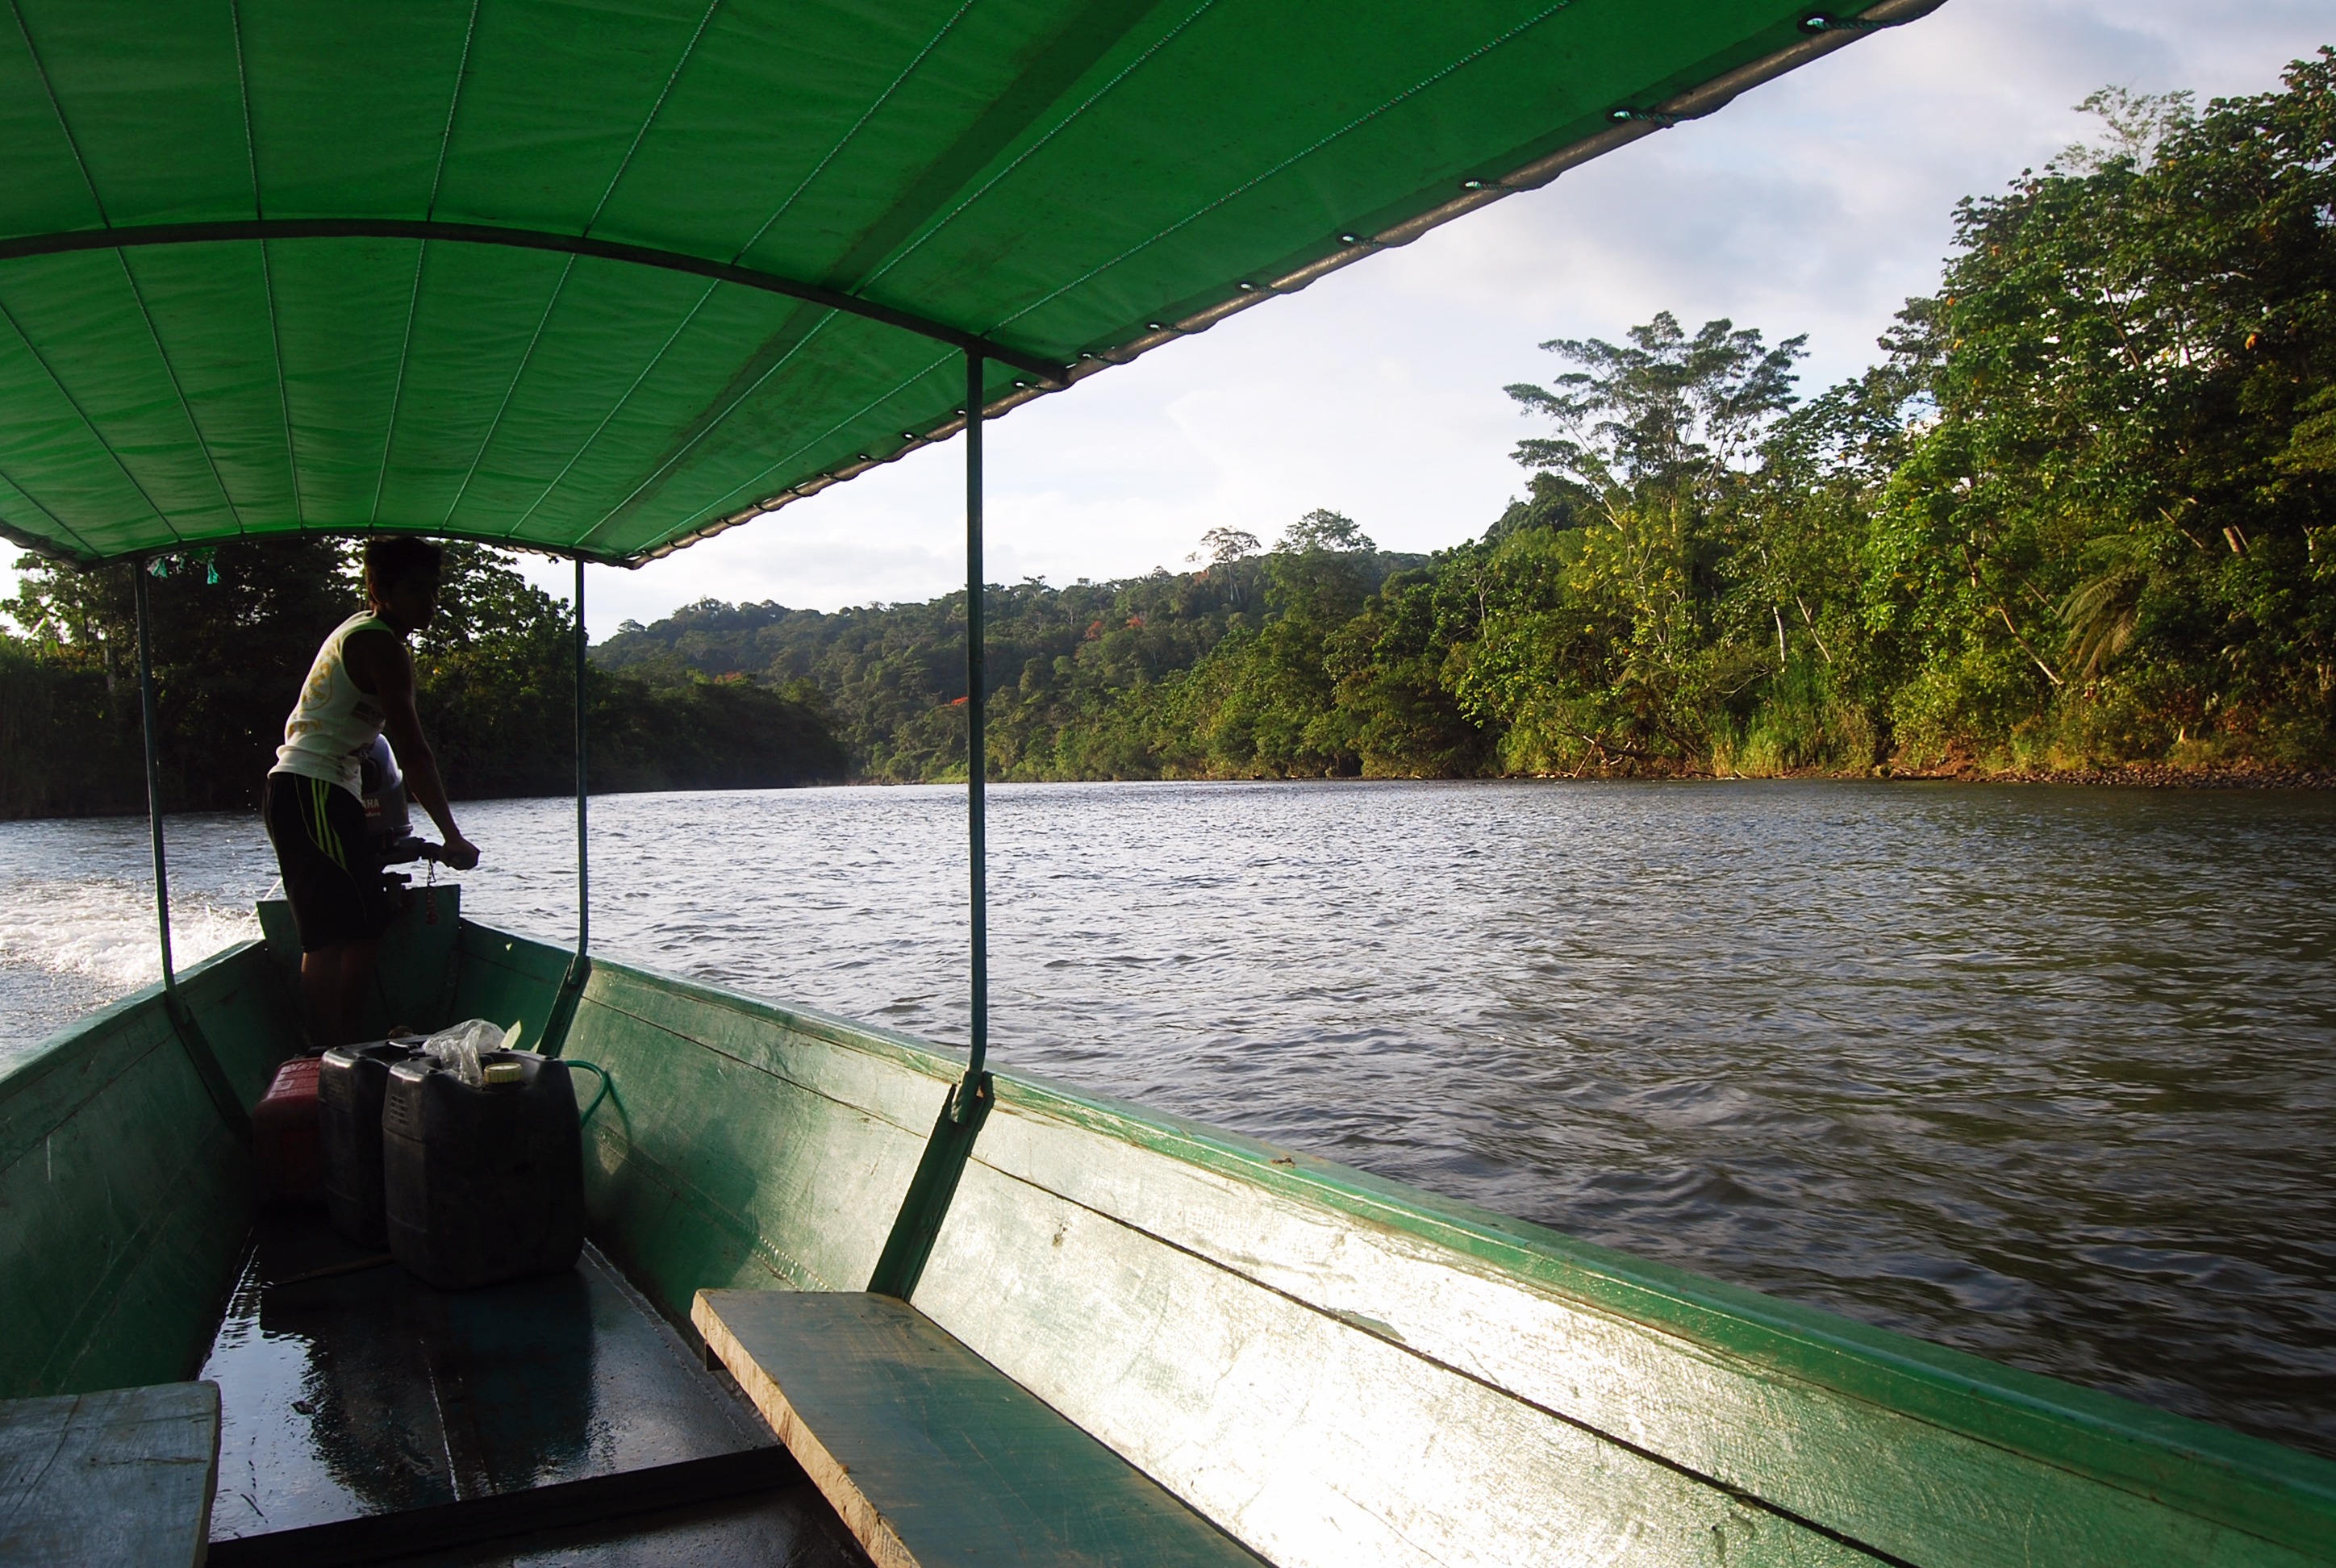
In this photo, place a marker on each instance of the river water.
(2046, 1074)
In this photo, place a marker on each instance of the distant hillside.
(891, 677)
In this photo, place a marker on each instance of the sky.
(1814, 204)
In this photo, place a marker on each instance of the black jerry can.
(351, 1083)
(483, 1184)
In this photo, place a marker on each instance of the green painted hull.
(1334, 1369)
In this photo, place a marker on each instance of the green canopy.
(603, 279)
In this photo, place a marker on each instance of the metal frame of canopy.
(1822, 32)
(971, 1093)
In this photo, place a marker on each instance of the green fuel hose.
(598, 1071)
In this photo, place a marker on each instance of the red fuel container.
(285, 1142)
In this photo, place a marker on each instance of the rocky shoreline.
(2133, 775)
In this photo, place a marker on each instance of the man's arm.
(380, 663)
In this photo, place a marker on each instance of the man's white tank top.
(333, 722)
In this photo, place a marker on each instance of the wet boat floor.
(349, 1388)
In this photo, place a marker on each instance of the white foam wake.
(103, 930)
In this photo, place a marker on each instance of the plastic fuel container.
(351, 1084)
(284, 1138)
(484, 1183)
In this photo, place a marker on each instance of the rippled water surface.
(2045, 1074)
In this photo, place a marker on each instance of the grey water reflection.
(2045, 1074)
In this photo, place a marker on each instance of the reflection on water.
(2045, 1074)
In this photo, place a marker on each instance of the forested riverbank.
(235, 631)
(2075, 522)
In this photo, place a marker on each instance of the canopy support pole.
(918, 1225)
(583, 867)
(192, 1039)
(557, 1023)
(976, 740)
(153, 776)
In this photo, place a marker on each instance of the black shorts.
(330, 878)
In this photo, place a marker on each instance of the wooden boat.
(958, 1316)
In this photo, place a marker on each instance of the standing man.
(360, 685)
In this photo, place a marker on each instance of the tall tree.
(2114, 533)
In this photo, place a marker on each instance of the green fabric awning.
(602, 279)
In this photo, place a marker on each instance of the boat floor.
(348, 1389)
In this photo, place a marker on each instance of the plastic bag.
(457, 1049)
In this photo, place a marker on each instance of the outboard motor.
(389, 827)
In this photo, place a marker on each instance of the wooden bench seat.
(931, 1455)
(125, 1475)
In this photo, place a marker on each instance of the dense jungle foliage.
(2079, 514)
(235, 629)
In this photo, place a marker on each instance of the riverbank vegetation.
(2077, 518)
(235, 629)
(2075, 521)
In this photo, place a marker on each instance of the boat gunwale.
(40, 1056)
(2254, 1485)
(45, 1057)
(2135, 1448)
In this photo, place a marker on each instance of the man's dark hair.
(400, 558)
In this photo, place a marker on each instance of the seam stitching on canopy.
(1055, 129)
(10, 481)
(87, 423)
(454, 106)
(736, 257)
(420, 258)
(866, 115)
(267, 269)
(839, 425)
(711, 425)
(517, 375)
(243, 97)
(655, 110)
(202, 442)
(617, 408)
(397, 386)
(283, 392)
(1255, 181)
(72, 142)
(89, 183)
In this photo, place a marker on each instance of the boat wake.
(100, 930)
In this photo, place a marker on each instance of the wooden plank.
(1319, 1442)
(932, 1457)
(124, 1475)
(1797, 1407)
